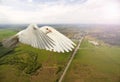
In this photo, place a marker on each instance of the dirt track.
(69, 62)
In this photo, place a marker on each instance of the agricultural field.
(95, 63)
(5, 33)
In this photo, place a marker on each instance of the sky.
(60, 11)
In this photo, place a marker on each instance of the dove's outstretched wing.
(31, 36)
(62, 43)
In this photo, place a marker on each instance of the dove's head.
(47, 29)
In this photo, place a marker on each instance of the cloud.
(60, 11)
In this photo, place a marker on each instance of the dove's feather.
(10, 42)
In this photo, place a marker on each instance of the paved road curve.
(68, 64)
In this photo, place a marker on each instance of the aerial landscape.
(96, 53)
(92, 63)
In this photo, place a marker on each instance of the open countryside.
(92, 63)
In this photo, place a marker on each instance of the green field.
(27, 64)
(95, 64)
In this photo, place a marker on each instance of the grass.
(95, 64)
(8, 73)
(50, 62)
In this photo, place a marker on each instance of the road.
(70, 60)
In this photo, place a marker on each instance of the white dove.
(45, 37)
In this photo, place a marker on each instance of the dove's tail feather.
(10, 42)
